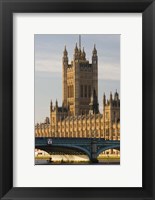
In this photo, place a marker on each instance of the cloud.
(109, 71)
(48, 66)
(48, 62)
(106, 71)
(49, 50)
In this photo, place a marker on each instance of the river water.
(75, 160)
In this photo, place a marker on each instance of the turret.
(116, 96)
(64, 74)
(110, 97)
(47, 121)
(80, 54)
(94, 51)
(76, 52)
(95, 69)
(51, 106)
(83, 55)
(94, 55)
(65, 55)
(56, 105)
(104, 100)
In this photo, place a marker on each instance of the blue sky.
(48, 66)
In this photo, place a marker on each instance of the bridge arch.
(49, 149)
(42, 148)
(117, 147)
(82, 149)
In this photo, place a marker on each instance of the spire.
(51, 105)
(79, 41)
(65, 55)
(56, 104)
(65, 50)
(83, 54)
(110, 96)
(116, 95)
(76, 48)
(94, 56)
(47, 121)
(76, 52)
(94, 50)
(104, 99)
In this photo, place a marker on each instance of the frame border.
(7, 8)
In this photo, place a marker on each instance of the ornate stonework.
(79, 114)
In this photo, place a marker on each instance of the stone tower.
(93, 106)
(64, 76)
(111, 114)
(80, 79)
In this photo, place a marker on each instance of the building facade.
(79, 80)
(79, 114)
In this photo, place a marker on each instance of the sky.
(48, 51)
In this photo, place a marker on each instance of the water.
(75, 160)
(99, 163)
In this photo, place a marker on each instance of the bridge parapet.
(89, 146)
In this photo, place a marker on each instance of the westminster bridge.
(91, 147)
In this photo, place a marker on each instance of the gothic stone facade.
(106, 125)
(79, 114)
(80, 78)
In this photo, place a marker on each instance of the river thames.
(75, 160)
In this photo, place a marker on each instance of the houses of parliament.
(79, 114)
